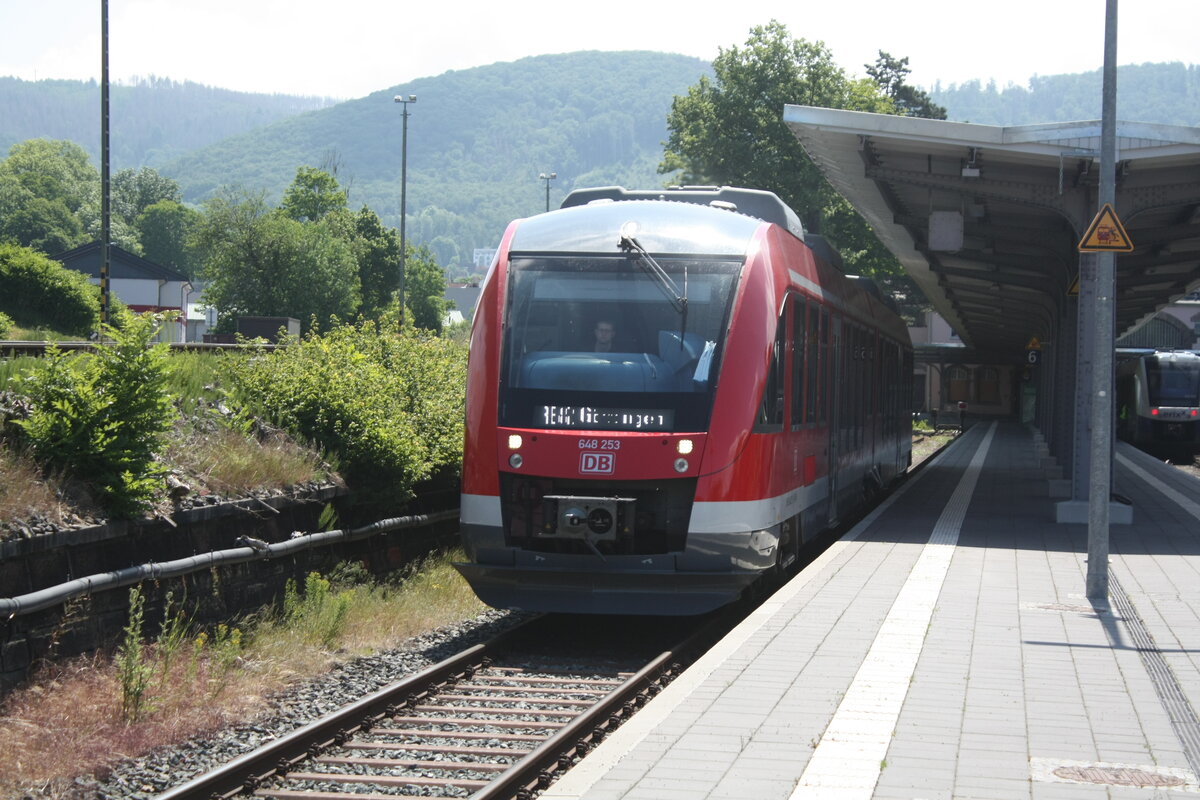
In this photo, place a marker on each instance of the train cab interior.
(613, 329)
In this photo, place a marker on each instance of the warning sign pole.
(1100, 479)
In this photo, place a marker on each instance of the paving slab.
(945, 649)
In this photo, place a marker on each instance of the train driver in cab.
(604, 333)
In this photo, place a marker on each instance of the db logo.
(596, 463)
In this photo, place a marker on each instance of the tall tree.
(133, 191)
(313, 194)
(44, 225)
(378, 251)
(425, 289)
(730, 130)
(163, 229)
(261, 262)
(44, 185)
(890, 74)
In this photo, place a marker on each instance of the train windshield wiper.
(679, 301)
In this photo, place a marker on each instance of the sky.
(350, 48)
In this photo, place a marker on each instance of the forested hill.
(1162, 93)
(477, 141)
(153, 120)
(478, 138)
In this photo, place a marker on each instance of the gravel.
(168, 767)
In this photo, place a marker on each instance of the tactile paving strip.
(1182, 715)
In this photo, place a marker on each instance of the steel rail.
(249, 770)
(536, 770)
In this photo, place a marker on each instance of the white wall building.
(140, 284)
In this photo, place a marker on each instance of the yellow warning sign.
(1034, 344)
(1106, 234)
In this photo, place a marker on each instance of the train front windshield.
(603, 343)
(1173, 383)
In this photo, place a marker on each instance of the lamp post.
(547, 177)
(404, 101)
(105, 184)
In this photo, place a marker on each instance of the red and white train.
(669, 394)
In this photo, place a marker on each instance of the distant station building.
(464, 296)
(947, 373)
(140, 284)
(483, 257)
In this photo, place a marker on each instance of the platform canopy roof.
(987, 219)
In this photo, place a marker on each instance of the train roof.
(1141, 352)
(660, 227)
(752, 202)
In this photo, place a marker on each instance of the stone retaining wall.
(96, 621)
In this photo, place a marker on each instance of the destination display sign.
(604, 419)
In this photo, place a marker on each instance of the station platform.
(945, 648)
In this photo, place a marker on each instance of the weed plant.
(133, 670)
(172, 635)
(11, 369)
(95, 416)
(74, 717)
(103, 416)
(195, 379)
(318, 615)
(388, 404)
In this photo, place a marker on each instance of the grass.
(18, 333)
(10, 368)
(222, 460)
(25, 493)
(73, 719)
(926, 441)
(194, 378)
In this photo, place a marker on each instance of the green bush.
(6, 325)
(40, 292)
(102, 417)
(388, 405)
(320, 614)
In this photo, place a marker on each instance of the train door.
(835, 420)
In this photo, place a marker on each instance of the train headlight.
(515, 461)
(515, 441)
(684, 447)
(681, 465)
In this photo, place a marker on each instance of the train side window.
(822, 370)
(849, 401)
(813, 362)
(770, 412)
(799, 349)
(862, 400)
(910, 384)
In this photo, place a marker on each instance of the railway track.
(496, 721)
(499, 720)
